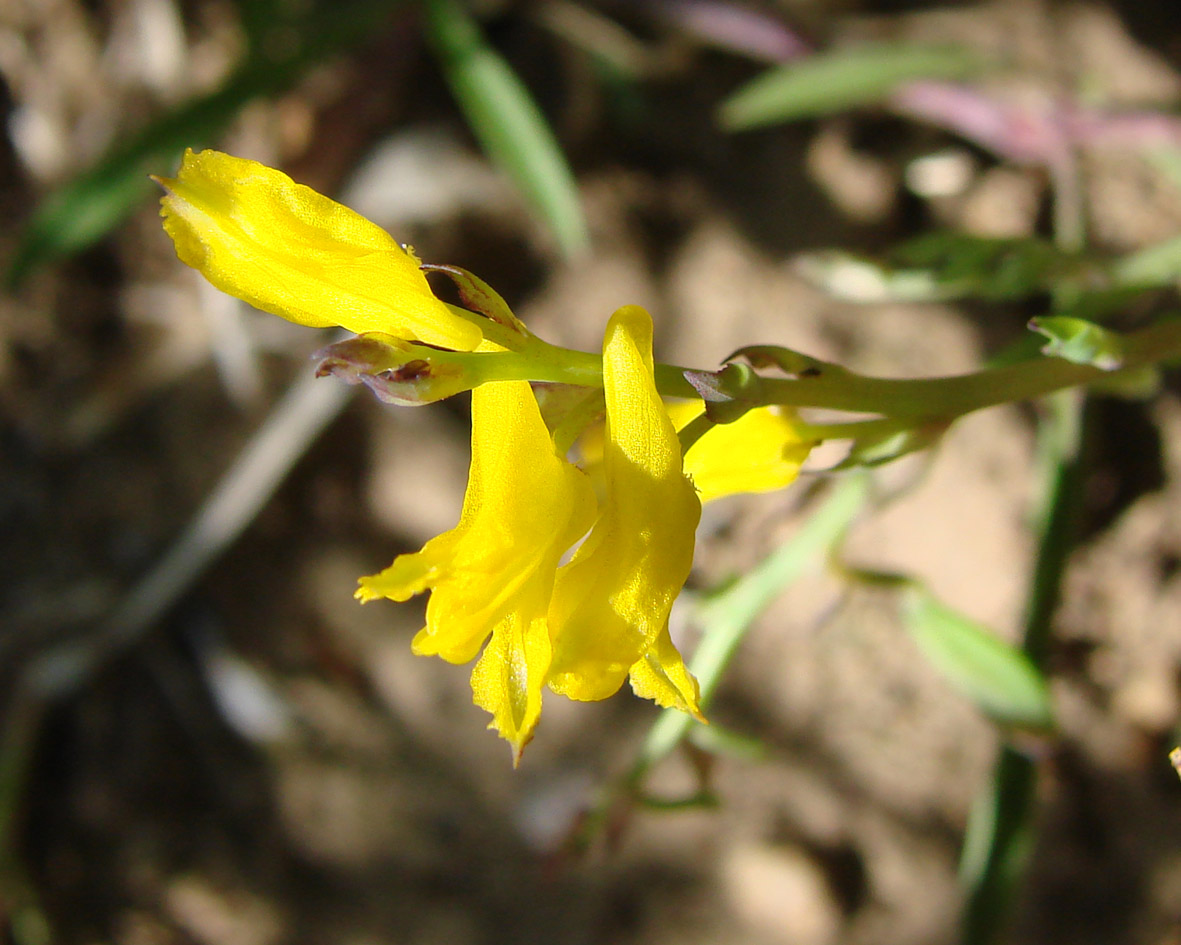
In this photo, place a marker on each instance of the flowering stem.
(947, 397)
(898, 404)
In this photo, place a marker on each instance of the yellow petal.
(523, 508)
(508, 679)
(612, 601)
(761, 451)
(256, 234)
(494, 572)
(661, 676)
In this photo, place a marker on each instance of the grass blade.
(832, 82)
(999, 679)
(507, 122)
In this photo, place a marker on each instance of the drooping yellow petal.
(256, 234)
(508, 678)
(494, 572)
(761, 451)
(611, 602)
(661, 675)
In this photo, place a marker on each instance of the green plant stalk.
(18, 898)
(902, 403)
(948, 397)
(1000, 832)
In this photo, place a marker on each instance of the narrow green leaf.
(832, 82)
(1001, 680)
(990, 268)
(91, 205)
(854, 278)
(717, 740)
(507, 122)
(1079, 341)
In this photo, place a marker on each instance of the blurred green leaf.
(879, 450)
(988, 268)
(507, 122)
(1153, 266)
(1168, 161)
(86, 209)
(716, 740)
(831, 82)
(1079, 341)
(943, 266)
(857, 279)
(1000, 679)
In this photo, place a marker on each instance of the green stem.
(537, 360)
(1000, 831)
(898, 403)
(946, 397)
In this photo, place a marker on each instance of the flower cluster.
(628, 509)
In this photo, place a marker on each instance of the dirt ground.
(270, 764)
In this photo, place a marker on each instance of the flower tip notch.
(517, 749)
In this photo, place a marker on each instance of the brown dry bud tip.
(410, 371)
(329, 366)
(390, 369)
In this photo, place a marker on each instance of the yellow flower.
(494, 579)
(493, 574)
(609, 615)
(761, 451)
(256, 234)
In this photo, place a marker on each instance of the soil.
(267, 762)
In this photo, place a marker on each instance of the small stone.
(781, 892)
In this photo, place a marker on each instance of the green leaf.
(1156, 265)
(855, 278)
(989, 268)
(1079, 341)
(879, 450)
(507, 122)
(835, 81)
(718, 740)
(89, 207)
(1000, 679)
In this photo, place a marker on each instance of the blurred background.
(206, 740)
